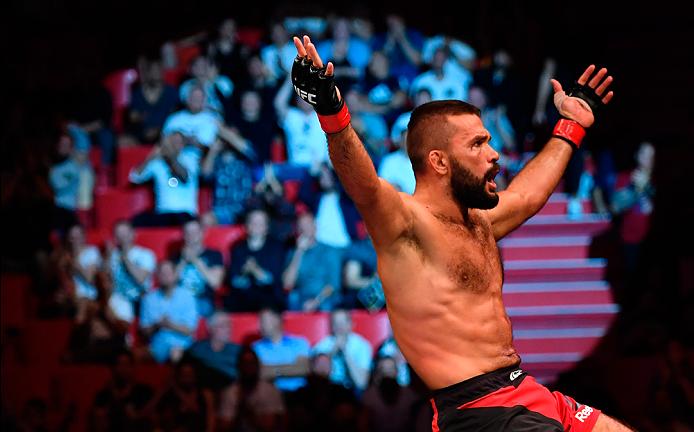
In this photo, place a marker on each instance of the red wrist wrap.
(335, 122)
(570, 131)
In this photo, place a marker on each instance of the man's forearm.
(538, 179)
(353, 165)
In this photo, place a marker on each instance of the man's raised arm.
(531, 188)
(378, 202)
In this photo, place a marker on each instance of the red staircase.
(555, 295)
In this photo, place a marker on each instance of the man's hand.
(580, 101)
(315, 84)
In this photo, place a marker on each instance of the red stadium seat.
(15, 290)
(98, 237)
(162, 241)
(128, 158)
(118, 83)
(291, 190)
(46, 340)
(374, 327)
(313, 326)
(278, 153)
(244, 327)
(250, 36)
(114, 204)
(223, 238)
(205, 199)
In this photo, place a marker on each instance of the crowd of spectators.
(218, 122)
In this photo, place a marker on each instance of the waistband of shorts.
(476, 387)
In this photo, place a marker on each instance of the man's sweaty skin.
(438, 261)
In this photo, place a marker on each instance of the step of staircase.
(560, 225)
(556, 293)
(538, 248)
(559, 270)
(556, 205)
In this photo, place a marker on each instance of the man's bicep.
(386, 215)
(509, 214)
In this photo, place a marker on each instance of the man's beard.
(470, 191)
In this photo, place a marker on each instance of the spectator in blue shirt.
(168, 316)
(283, 357)
(174, 169)
(349, 352)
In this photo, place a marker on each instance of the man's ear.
(438, 161)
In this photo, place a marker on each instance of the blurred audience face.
(152, 73)
(270, 324)
(220, 327)
(192, 233)
(251, 105)
(502, 59)
(227, 30)
(645, 156)
(257, 224)
(341, 323)
(477, 97)
(440, 57)
(278, 34)
(256, 68)
(306, 225)
(378, 66)
(421, 97)
(386, 368)
(64, 146)
(321, 365)
(174, 142)
(341, 29)
(196, 100)
(75, 237)
(167, 274)
(200, 68)
(124, 234)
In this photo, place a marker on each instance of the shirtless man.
(437, 253)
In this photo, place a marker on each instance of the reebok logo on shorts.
(584, 413)
(515, 374)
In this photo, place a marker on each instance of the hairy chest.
(466, 252)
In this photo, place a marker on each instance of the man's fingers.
(601, 89)
(313, 55)
(586, 74)
(330, 69)
(300, 50)
(608, 98)
(597, 78)
(556, 85)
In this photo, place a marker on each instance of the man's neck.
(275, 338)
(441, 203)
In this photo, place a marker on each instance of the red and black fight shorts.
(508, 399)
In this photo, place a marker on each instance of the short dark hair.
(419, 130)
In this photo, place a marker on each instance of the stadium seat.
(15, 290)
(313, 326)
(374, 327)
(128, 158)
(223, 237)
(162, 241)
(43, 350)
(118, 83)
(250, 36)
(113, 204)
(205, 199)
(244, 327)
